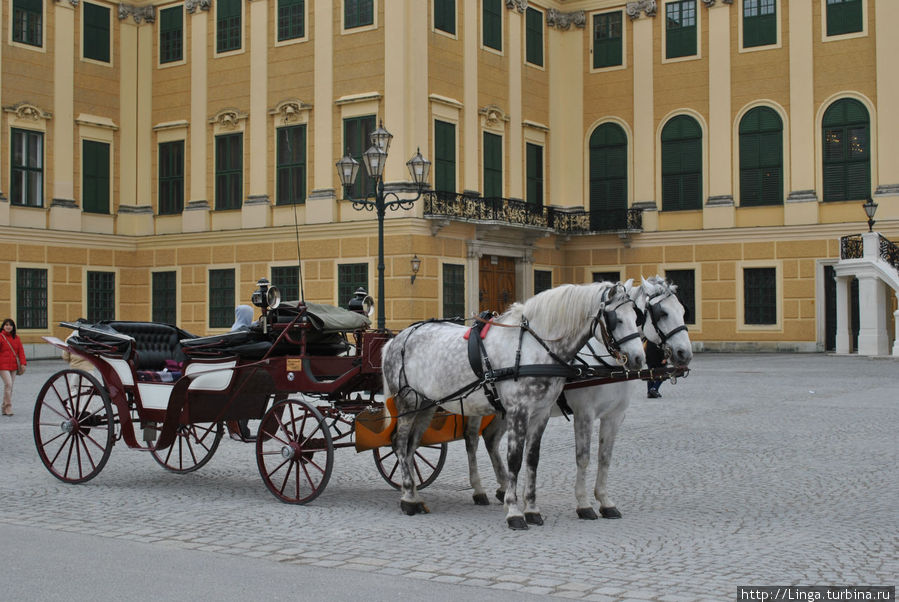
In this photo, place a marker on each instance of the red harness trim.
(483, 331)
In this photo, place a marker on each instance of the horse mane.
(657, 285)
(564, 310)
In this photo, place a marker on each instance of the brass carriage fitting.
(265, 295)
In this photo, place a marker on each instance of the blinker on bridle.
(607, 318)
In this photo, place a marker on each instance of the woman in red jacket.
(12, 355)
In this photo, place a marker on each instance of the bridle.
(653, 308)
(607, 320)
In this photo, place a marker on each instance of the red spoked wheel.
(74, 426)
(193, 447)
(294, 451)
(428, 463)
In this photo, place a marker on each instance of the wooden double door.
(496, 283)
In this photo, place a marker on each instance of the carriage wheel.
(74, 427)
(193, 447)
(428, 463)
(294, 451)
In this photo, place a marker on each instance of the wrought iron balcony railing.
(851, 247)
(889, 252)
(471, 208)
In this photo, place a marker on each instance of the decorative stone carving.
(519, 5)
(228, 118)
(633, 9)
(74, 3)
(711, 3)
(493, 115)
(139, 13)
(289, 110)
(192, 5)
(563, 21)
(26, 110)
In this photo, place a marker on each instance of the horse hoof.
(533, 518)
(501, 495)
(413, 508)
(480, 499)
(586, 514)
(610, 512)
(517, 523)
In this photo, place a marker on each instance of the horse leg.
(517, 427)
(472, 426)
(608, 429)
(583, 427)
(409, 429)
(492, 436)
(536, 428)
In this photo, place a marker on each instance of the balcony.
(512, 212)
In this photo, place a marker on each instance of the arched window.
(761, 158)
(847, 159)
(681, 164)
(608, 178)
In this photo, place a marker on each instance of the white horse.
(663, 324)
(427, 365)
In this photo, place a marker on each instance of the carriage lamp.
(361, 302)
(870, 208)
(265, 295)
(416, 265)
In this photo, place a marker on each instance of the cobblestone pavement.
(755, 470)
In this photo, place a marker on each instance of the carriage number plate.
(294, 365)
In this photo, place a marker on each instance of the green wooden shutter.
(685, 280)
(31, 298)
(534, 36)
(27, 22)
(681, 164)
(844, 16)
(493, 165)
(171, 177)
(608, 178)
(171, 34)
(534, 158)
(454, 291)
(350, 276)
(358, 13)
(607, 40)
(761, 158)
(228, 25)
(164, 297)
(95, 176)
(760, 295)
(96, 32)
(291, 19)
(759, 23)
(846, 145)
(228, 171)
(100, 296)
(356, 140)
(492, 26)
(287, 279)
(221, 298)
(291, 165)
(680, 32)
(444, 156)
(445, 15)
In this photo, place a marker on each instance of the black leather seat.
(154, 343)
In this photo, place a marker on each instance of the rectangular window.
(358, 13)
(100, 296)
(454, 291)
(27, 22)
(534, 36)
(608, 40)
(171, 177)
(171, 34)
(228, 25)
(31, 298)
(287, 279)
(350, 276)
(445, 16)
(534, 192)
(228, 171)
(759, 23)
(606, 276)
(221, 298)
(760, 295)
(492, 25)
(27, 168)
(291, 165)
(685, 280)
(356, 140)
(165, 297)
(844, 16)
(291, 19)
(493, 165)
(543, 280)
(444, 156)
(680, 29)
(96, 32)
(95, 176)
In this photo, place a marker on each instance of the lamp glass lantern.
(419, 167)
(347, 170)
(381, 138)
(374, 159)
(870, 208)
(416, 266)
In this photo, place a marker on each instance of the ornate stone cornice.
(519, 5)
(192, 5)
(74, 3)
(139, 13)
(229, 118)
(633, 9)
(26, 110)
(711, 3)
(289, 109)
(493, 115)
(563, 21)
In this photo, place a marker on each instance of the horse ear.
(629, 284)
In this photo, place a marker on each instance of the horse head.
(616, 326)
(663, 319)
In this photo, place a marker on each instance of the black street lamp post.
(374, 159)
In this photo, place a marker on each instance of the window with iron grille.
(759, 23)
(760, 295)
(492, 23)
(608, 178)
(221, 298)
(95, 176)
(27, 168)
(100, 296)
(493, 165)
(454, 291)
(165, 295)
(685, 280)
(534, 36)
(847, 159)
(445, 16)
(291, 165)
(606, 276)
(228, 25)
(844, 16)
(31, 298)
(171, 34)
(534, 161)
(680, 29)
(444, 156)
(350, 276)
(356, 140)
(96, 32)
(287, 279)
(608, 40)
(291, 19)
(27, 22)
(358, 13)
(228, 171)
(681, 164)
(761, 158)
(543, 280)
(171, 177)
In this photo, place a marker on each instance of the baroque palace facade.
(157, 158)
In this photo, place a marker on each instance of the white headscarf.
(243, 317)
